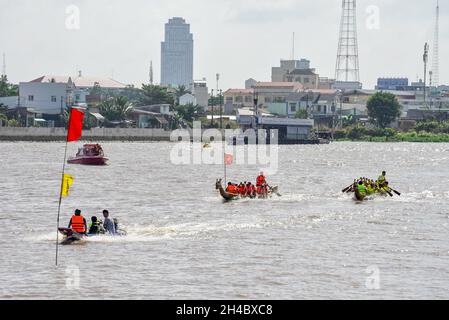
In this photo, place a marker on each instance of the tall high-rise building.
(177, 54)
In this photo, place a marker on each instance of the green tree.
(13, 123)
(152, 94)
(383, 108)
(7, 89)
(133, 94)
(3, 117)
(180, 91)
(3, 108)
(188, 112)
(96, 90)
(116, 108)
(302, 114)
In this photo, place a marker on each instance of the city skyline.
(237, 40)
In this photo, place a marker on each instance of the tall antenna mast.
(293, 47)
(425, 60)
(151, 72)
(4, 65)
(436, 48)
(347, 66)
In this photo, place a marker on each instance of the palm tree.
(115, 108)
(188, 113)
(152, 94)
(180, 91)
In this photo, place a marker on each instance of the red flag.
(75, 125)
(228, 159)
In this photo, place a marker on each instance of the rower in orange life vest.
(242, 189)
(78, 223)
(261, 184)
(232, 189)
(250, 190)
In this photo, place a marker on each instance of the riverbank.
(424, 132)
(95, 134)
(402, 137)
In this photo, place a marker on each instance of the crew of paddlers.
(249, 190)
(363, 187)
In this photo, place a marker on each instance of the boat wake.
(156, 233)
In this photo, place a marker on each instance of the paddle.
(397, 192)
(350, 189)
(347, 188)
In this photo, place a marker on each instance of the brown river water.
(184, 242)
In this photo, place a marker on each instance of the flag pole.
(224, 155)
(60, 201)
(62, 184)
(224, 161)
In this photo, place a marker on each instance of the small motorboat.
(89, 154)
(70, 236)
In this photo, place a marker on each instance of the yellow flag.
(67, 182)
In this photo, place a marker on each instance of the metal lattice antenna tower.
(436, 48)
(347, 67)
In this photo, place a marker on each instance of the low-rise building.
(315, 102)
(50, 95)
(347, 85)
(238, 98)
(296, 71)
(201, 93)
(289, 130)
(325, 83)
(154, 116)
(392, 84)
(286, 66)
(186, 99)
(271, 95)
(307, 77)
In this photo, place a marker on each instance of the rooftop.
(81, 82)
(303, 72)
(240, 91)
(395, 92)
(279, 85)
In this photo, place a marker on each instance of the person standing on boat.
(260, 181)
(108, 223)
(78, 223)
(382, 179)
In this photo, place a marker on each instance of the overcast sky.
(237, 38)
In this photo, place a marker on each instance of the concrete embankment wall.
(95, 134)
